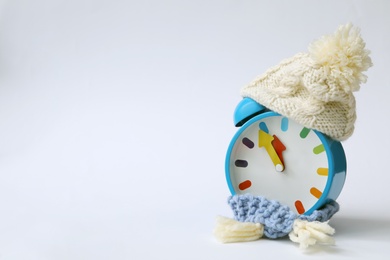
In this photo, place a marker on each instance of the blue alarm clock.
(275, 157)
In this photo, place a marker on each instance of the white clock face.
(279, 159)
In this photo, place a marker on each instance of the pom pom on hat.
(343, 55)
(316, 88)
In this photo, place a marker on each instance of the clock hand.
(265, 140)
(279, 147)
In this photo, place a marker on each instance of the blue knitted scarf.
(277, 219)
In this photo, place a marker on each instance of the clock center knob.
(279, 168)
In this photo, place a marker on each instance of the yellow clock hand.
(265, 140)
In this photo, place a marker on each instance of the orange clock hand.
(265, 140)
(279, 147)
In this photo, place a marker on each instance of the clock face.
(275, 157)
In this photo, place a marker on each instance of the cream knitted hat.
(316, 88)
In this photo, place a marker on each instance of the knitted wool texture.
(316, 89)
(277, 219)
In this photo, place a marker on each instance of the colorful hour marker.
(316, 192)
(284, 125)
(322, 171)
(299, 207)
(263, 126)
(241, 163)
(318, 149)
(248, 143)
(245, 185)
(304, 132)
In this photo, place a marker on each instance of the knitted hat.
(316, 88)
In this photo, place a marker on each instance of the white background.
(115, 117)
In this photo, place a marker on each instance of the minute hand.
(265, 140)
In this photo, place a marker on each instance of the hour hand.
(265, 140)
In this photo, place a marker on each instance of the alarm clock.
(275, 157)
